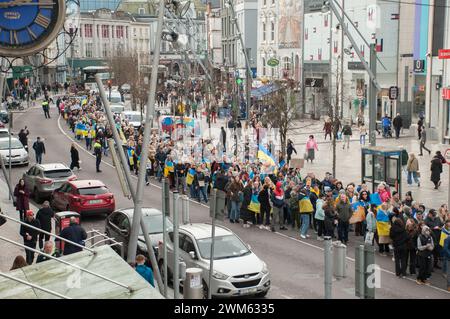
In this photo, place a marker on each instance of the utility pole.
(137, 214)
(373, 98)
(429, 66)
(341, 95)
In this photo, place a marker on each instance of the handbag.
(418, 174)
(369, 238)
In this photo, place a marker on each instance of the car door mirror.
(193, 255)
(249, 247)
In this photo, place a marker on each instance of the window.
(119, 31)
(89, 50)
(105, 50)
(88, 30)
(272, 31)
(264, 31)
(141, 11)
(263, 66)
(105, 31)
(93, 190)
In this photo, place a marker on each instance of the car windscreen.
(225, 247)
(58, 173)
(134, 117)
(93, 190)
(155, 224)
(116, 99)
(15, 144)
(117, 109)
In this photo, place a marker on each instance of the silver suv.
(237, 270)
(43, 179)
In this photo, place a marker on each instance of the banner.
(290, 26)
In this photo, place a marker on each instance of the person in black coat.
(44, 216)
(74, 233)
(23, 137)
(246, 214)
(436, 170)
(289, 150)
(75, 157)
(30, 236)
(398, 124)
(400, 241)
(265, 207)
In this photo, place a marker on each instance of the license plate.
(96, 201)
(248, 291)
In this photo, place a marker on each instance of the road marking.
(353, 260)
(192, 201)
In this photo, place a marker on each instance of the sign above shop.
(444, 54)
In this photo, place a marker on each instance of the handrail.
(67, 263)
(51, 234)
(100, 241)
(34, 286)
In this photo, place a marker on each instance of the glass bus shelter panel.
(379, 168)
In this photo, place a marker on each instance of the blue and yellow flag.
(265, 156)
(254, 204)
(444, 234)
(190, 176)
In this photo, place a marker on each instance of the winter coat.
(74, 155)
(398, 122)
(436, 170)
(247, 197)
(264, 197)
(22, 200)
(412, 239)
(74, 233)
(413, 165)
(39, 147)
(32, 232)
(371, 222)
(320, 214)
(45, 215)
(330, 217)
(344, 211)
(233, 190)
(398, 235)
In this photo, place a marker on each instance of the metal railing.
(51, 292)
(104, 239)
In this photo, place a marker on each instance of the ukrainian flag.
(190, 176)
(265, 156)
(168, 168)
(444, 234)
(254, 204)
(130, 155)
(383, 225)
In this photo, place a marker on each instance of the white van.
(134, 118)
(115, 97)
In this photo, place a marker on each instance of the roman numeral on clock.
(43, 21)
(13, 37)
(46, 4)
(31, 33)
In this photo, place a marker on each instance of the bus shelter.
(383, 164)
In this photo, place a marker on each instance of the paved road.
(296, 265)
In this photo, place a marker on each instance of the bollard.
(193, 287)
(328, 256)
(185, 210)
(339, 262)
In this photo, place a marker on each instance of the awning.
(83, 63)
(22, 71)
(265, 90)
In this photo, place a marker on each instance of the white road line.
(203, 205)
(353, 260)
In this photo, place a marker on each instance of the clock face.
(28, 26)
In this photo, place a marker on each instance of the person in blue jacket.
(386, 123)
(143, 270)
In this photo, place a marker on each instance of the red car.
(84, 197)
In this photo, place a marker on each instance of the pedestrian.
(328, 127)
(39, 149)
(200, 181)
(23, 137)
(420, 127)
(411, 246)
(435, 224)
(425, 246)
(265, 207)
(49, 249)
(371, 224)
(88, 138)
(446, 255)
(44, 215)
(413, 169)
(331, 218)
(74, 233)
(347, 133)
(319, 216)
(75, 157)
(423, 141)
(223, 138)
(289, 150)
(400, 240)
(398, 124)
(30, 235)
(386, 124)
(143, 270)
(436, 170)
(344, 212)
(18, 263)
(383, 228)
(311, 147)
(46, 108)
(98, 155)
(22, 195)
(277, 199)
(306, 209)
(362, 134)
(234, 193)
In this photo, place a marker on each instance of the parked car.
(19, 156)
(118, 227)
(4, 132)
(237, 270)
(43, 179)
(117, 108)
(83, 197)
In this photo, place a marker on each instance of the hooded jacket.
(398, 235)
(278, 196)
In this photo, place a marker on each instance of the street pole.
(429, 66)
(176, 247)
(373, 98)
(328, 259)
(137, 214)
(166, 211)
(127, 172)
(10, 124)
(341, 91)
(213, 235)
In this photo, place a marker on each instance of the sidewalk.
(9, 230)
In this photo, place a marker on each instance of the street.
(296, 265)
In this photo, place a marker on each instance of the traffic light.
(239, 81)
(16, 82)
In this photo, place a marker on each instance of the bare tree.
(282, 111)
